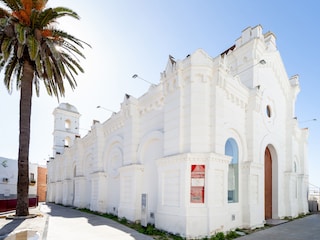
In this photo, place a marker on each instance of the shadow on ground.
(9, 227)
(58, 211)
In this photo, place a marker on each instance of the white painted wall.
(66, 127)
(9, 177)
(149, 146)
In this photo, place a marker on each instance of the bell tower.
(66, 127)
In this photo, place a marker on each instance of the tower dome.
(67, 107)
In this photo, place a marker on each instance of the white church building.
(213, 147)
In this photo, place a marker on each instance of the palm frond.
(20, 50)
(59, 81)
(6, 48)
(39, 67)
(48, 67)
(27, 34)
(51, 15)
(71, 79)
(72, 49)
(70, 62)
(14, 5)
(44, 18)
(18, 73)
(33, 18)
(63, 11)
(10, 67)
(65, 35)
(33, 47)
(2, 62)
(53, 86)
(52, 47)
(37, 85)
(21, 33)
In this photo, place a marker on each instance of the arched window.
(67, 142)
(67, 124)
(231, 149)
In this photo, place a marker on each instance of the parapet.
(248, 34)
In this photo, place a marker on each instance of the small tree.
(33, 49)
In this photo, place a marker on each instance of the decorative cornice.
(151, 105)
(232, 97)
(98, 174)
(194, 157)
(113, 125)
(132, 167)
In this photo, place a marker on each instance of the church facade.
(213, 147)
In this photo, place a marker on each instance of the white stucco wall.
(9, 177)
(149, 146)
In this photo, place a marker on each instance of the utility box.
(144, 209)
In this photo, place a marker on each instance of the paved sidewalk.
(57, 222)
(68, 223)
(32, 228)
(299, 229)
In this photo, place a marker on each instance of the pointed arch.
(271, 182)
(267, 184)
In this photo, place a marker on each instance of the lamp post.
(310, 120)
(137, 76)
(262, 62)
(106, 109)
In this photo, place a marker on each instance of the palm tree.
(33, 49)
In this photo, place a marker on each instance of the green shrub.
(232, 235)
(218, 236)
(123, 220)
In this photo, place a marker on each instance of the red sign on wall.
(197, 183)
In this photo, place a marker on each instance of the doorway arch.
(271, 189)
(267, 184)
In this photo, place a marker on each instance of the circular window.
(268, 111)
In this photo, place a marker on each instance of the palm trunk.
(22, 208)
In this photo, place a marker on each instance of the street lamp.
(310, 120)
(137, 76)
(262, 62)
(106, 109)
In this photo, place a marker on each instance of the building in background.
(9, 179)
(214, 146)
(42, 184)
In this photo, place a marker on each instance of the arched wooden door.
(267, 184)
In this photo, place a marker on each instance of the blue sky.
(135, 37)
